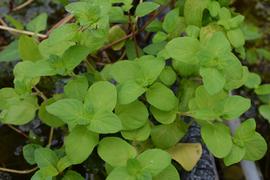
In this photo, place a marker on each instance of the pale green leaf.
(218, 139)
(116, 151)
(38, 24)
(145, 8)
(79, 144)
(133, 115)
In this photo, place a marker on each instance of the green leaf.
(154, 161)
(10, 52)
(123, 71)
(169, 24)
(183, 49)
(165, 136)
(29, 152)
(234, 106)
(133, 115)
(155, 48)
(120, 173)
(101, 95)
(68, 110)
(147, 63)
(48, 118)
(116, 151)
(213, 8)
(128, 92)
(256, 147)
(145, 8)
(72, 175)
(170, 173)
(140, 134)
(20, 112)
(213, 80)
(193, 11)
(236, 37)
(115, 33)
(116, 15)
(253, 81)
(79, 144)
(265, 111)
(59, 41)
(164, 117)
(63, 163)
(218, 139)
(76, 88)
(161, 97)
(46, 160)
(236, 155)
(263, 89)
(14, 22)
(28, 49)
(40, 176)
(38, 24)
(74, 56)
(168, 76)
(105, 122)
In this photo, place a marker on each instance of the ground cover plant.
(147, 78)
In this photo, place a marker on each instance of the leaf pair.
(128, 165)
(247, 144)
(210, 107)
(95, 111)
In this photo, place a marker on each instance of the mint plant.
(131, 108)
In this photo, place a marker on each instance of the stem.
(18, 131)
(40, 93)
(26, 3)
(61, 22)
(28, 171)
(22, 31)
(50, 137)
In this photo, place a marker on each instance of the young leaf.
(186, 154)
(115, 33)
(48, 118)
(164, 117)
(236, 37)
(116, 151)
(28, 49)
(29, 152)
(72, 175)
(253, 80)
(128, 92)
(168, 76)
(165, 136)
(161, 97)
(101, 95)
(170, 173)
(79, 144)
(140, 134)
(183, 49)
(236, 155)
(38, 24)
(193, 11)
(213, 80)
(235, 106)
(265, 111)
(10, 52)
(46, 160)
(145, 8)
(76, 88)
(218, 139)
(263, 89)
(147, 63)
(120, 173)
(68, 110)
(133, 115)
(154, 161)
(105, 122)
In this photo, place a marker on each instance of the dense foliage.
(134, 111)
